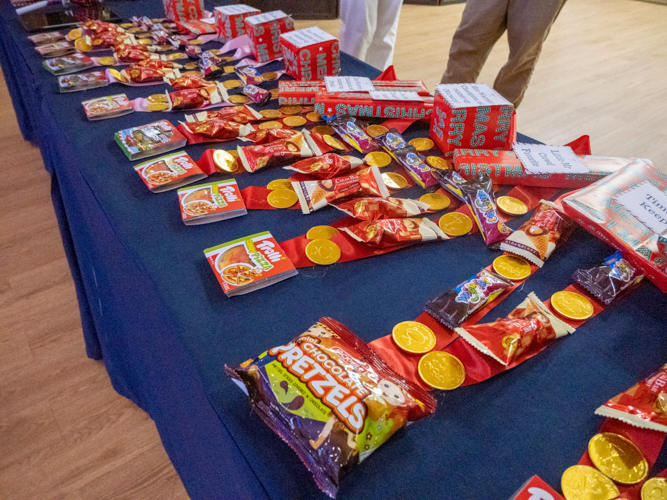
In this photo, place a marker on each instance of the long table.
(153, 311)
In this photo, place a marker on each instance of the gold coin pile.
(157, 106)
(106, 61)
(238, 99)
(83, 44)
(333, 142)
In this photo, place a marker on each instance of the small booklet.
(149, 140)
(82, 81)
(248, 264)
(45, 38)
(72, 63)
(211, 202)
(169, 172)
(110, 106)
(55, 49)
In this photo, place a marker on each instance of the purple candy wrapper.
(258, 96)
(351, 130)
(414, 164)
(478, 194)
(249, 75)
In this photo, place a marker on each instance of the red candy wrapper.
(196, 98)
(478, 194)
(222, 130)
(157, 64)
(536, 489)
(537, 238)
(275, 153)
(529, 327)
(643, 405)
(387, 233)
(371, 209)
(314, 195)
(331, 398)
(141, 74)
(266, 136)
(188, 82)
(326, 166)
(351, 130)
(239, 114)
(470, 115)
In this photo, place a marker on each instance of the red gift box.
(183, 10)
(310, 54)
(196, 27)
(363, 105)
(264, 31)
(468, 115)
(536, 489)
(230, 20)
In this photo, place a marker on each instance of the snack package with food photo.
(111, 106)
(331, 398)
(149, 140)
(211, 202)
(248, 264)
(72, 63)
(169, 172)
(83, 81)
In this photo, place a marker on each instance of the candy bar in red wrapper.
(196, 27)
(188, 82)
(157, 64)
(275, 153)
(133, 54)
(264, 31)
(229, 20)
(528, 328)
(240, 114)
(196, 98)
(470, 115)
(266, 136)
(259, 96)
(142, 74)
(351, 130)
(310, 54)
(219, 129)
(314, 195)
(504, 168)
(387, 233)
(331, 398)
(478, 194)
(326, 166)
(454, 307)
(537, 238)
(249, 75)
(643, 405)
(375, 208)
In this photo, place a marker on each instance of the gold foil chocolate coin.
(413, 337)
(291, 110)
(190, 65)
(117, 75)
(82, 45)
(655, 489)
(437, 162)
(282, 198)
(196, 41)
(225, 161)
(572, 305)
(618, 458)
(511, 206)
(270, 125)
(422, 143)
(455, 224)
(294, 121)
(144, 41)
(376, 130)
(106, 61)
(228, 69)
(377, 159)
(322, 252)
(157, 106)
(323, 130)
(176, 55)
(581, 482)
(441, 370)
(271, 75)
(280, 184)
(232, 84)
(512, 267)
(270, 113)
(314, 117)
(158, 98)
(333, 142)
(238, 99)
(435, 201)
(274, 93)
(394, 181)
(74, 34)
(321, 233)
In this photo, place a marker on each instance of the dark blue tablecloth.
(152, 309)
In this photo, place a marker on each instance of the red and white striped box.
(183, 10)
(229, 20)
(310, 54)
(471, 116)
(264, 31)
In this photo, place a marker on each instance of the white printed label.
(381, 95)
(648, 204)
(230, 10)
(543, 159)
(266, 17)
(306, 37)
(348, 84)
(466, 95)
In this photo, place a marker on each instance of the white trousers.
(369, 30)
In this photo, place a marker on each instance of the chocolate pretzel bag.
(331, 398)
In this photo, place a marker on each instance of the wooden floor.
(64, 432)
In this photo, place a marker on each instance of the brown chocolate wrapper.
(387, 233)
(326, 166)
(537, 238)
(527, 328)
(375, 208)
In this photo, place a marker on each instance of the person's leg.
(528, 24)
(359, 23)
(482, 24)
(381, 50)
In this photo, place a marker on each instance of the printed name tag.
(648, 204)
